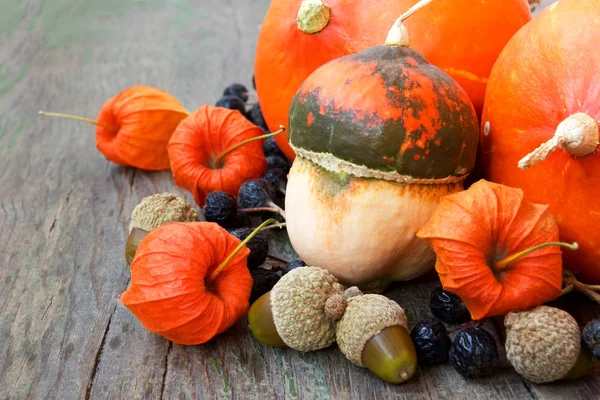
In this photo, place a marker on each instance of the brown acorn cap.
(158, 209)
(298, 305)
(543, 343)
(364, 318)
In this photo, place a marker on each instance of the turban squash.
(539, 128)
(462, 37)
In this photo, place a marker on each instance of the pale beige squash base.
(360, 229)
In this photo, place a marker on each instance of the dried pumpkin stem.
(220, 156)
(76, 118)
(398, 35)
(504, 263)
(578, 135)
(313, 16)
(220, 268)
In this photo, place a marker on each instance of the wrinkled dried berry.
(255, 116)
(221, 208)
(238, 90)
(431, 341)
(233, 103)
(276, 177)
(258, 245)
(254, 193)
(591, 337)
(292, 265)
(474, 352)
(264, 280)
(275, 161)
(270, 148)
(448, 307)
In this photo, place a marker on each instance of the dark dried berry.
(270, 148)
(258, 245)
(431, 341)
(233, 103)
(275, 161)
(254, 193)
(276, 177)
(591, 337)
(255, 116)
(238, 90)
(448, 307)
(264, 280)
(221, 208)
(474, 352)
(292, 265)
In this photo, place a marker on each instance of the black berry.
(264, 280)
(448, 307)
(431, 341)
(255, 116)
(275, 161)
(474, 352)
(270, 148)
(233, 103)
(258, 245)
(238, 90)
(254, 193)
(591, 337)
(276, 177)
(292, 265)
(221, 208)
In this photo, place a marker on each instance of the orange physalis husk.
(174, 291)
(134, 127)
(474, 234)
(198, 141)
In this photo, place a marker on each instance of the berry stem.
(505, 262)
(571, 283)
(221, 155)
(76, 118)
(221, 266)
(281, 225)
(466, 325)
(281, 260)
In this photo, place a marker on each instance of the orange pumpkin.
(483, 239)
(541, 111)
(462, 37)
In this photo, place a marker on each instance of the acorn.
(300, 311)
(373, 333)
(542, 344)
(152, 212)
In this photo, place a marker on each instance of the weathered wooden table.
(64, 212)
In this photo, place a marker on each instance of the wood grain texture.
(64, 212)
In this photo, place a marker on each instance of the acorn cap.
(364, 318)
(159, 209)
(543, 343)
(298, 305)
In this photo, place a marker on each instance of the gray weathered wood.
(64, 214)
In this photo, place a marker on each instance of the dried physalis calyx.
(152, 212)
(189, 281)
(300, 311)
(134, 127)
(373, 334)
(216, 149)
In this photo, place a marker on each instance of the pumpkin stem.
(76, 118)
(220, 156)
(578, 135)
(505, 262)
(220, 268)
(398, 34)
(313, 16)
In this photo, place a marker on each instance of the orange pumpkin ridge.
(524, 109)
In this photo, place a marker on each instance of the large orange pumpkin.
(462, 37)
(548, 76)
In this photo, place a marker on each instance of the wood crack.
(97, 359)
(166, 368)
(47, 308)
(62, 208)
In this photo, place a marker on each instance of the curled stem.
(221, 266)
(76, 118)
(398, 35)
(221, 155)
(505, 262)
(571, 283)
